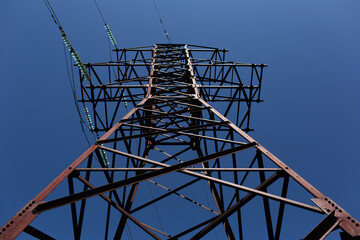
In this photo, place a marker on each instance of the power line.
(52, 12)
(73, 52)
(73, 90)
(113, 41)
(82, 68)
(107, 27)
(162, 23)
(97, 6)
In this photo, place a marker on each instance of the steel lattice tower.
(176, 153)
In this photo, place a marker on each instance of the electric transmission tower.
(179, 164)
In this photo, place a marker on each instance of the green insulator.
(76, 57)
(67, 42)
(87, 76)
(112, 39)
(123, 98)
(83, 69)
(88, 118)
(104, 157)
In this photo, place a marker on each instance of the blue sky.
(310, 118)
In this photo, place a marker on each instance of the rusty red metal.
(348, 223)
(324, 228)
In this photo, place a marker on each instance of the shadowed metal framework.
(174, 167)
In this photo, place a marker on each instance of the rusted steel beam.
(218, 198)
(133, 219)
(152, 133)
(236, 86)
(225, 64)
(348, 223)
(188, 134)
(22, 219)
(234, 208)
(350, 228)
(159, 115)
(164, 195)
(149, 143)
(187, 169)
(126, 182)
(269, 155)
(223, 182)
(324, 228)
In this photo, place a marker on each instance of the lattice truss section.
(175, 167)
(127, 81)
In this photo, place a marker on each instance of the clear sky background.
(310, 117)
